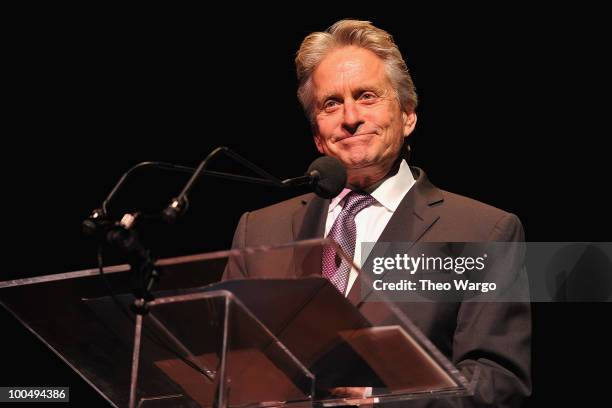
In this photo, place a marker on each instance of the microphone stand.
(142, 265)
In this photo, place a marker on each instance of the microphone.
(326, 175)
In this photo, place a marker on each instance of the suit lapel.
(415, 215)
(308, 223)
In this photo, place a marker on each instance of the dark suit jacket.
(493, 338)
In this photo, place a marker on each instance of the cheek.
(394, 121)
(325, 127)
(383, 116)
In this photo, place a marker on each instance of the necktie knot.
(356, 201)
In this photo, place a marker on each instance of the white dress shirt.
(372, 220)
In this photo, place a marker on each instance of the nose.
(352, 117)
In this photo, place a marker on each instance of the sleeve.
(492, 341)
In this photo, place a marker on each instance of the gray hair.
(356, 33)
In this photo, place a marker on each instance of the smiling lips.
(341, 138)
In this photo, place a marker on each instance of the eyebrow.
(358, 91)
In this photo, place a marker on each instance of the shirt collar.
(391, 191)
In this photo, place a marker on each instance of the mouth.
(342, 138)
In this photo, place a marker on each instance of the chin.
(356, 165)
(356, 159)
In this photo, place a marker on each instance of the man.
(359, 97)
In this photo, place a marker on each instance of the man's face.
(358, 116)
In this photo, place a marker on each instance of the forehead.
(349, 66)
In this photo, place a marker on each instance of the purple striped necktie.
(344, 232)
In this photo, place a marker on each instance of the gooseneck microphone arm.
(179, 204)
(124, 177)
(310, 178)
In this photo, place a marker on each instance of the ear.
(318, 143)
(409, 120)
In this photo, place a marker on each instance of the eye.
(330, 105)
(368, 96)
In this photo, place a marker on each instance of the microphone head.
(95, 223)
(169, 215)
(176, 209)
(329, 176)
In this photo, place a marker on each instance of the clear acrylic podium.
(288, 340)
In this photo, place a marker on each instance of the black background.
(514, 111)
